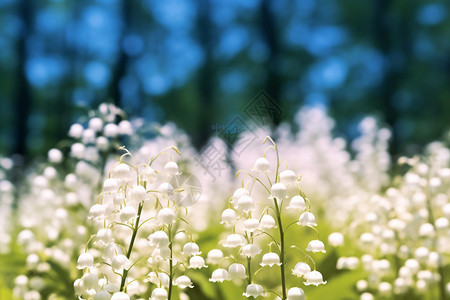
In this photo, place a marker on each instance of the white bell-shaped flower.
(297, 203)
(301, 269)
(90, 281)
(76, 130)
(166, 216)
(314, 278)
(220, 275)
(149, 175)
(316, 246)
(102, 295)
(426, 230)
(229, 217)
(261, 165)
(191, 248)
(78, 287)
(336, 239)
(183, 282)
(267, 222)
(238, 194)
(97, 211)
(122, 172)
(214, 256)
(120, 262)
(159, 239)
(278, 191)
(250, 250)
(251, 225)
(104, 236)
(111, 130)
(234, 240)
(138, 193)
(253, 290)
(295, 293)
(385, 289)
(237, 271)
(120, 296)
(171, 168)
(110, 185)
(55, 156)
(166, 188)
(270, 259)
(288, 177)
(196, 262)
(95, 124)
(245, 204)
(85, 260)
(307, 219)
(160, 279)
(159, 294)
(127, 213)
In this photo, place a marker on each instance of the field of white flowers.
(127, 210)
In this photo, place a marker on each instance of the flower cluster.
(405, 234)
(53, 201)
(7, 191)
(258, 211)
(141, 237)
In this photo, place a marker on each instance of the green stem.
(282, 269)
(130, 247)
(249, 265)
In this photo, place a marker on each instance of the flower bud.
(261, 165)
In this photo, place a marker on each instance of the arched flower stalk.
(257, 212)
(142, 246)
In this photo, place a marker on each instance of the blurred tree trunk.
(22, 93)
(272, 84)
(120, 69)
(206, 75)
(383, 41)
